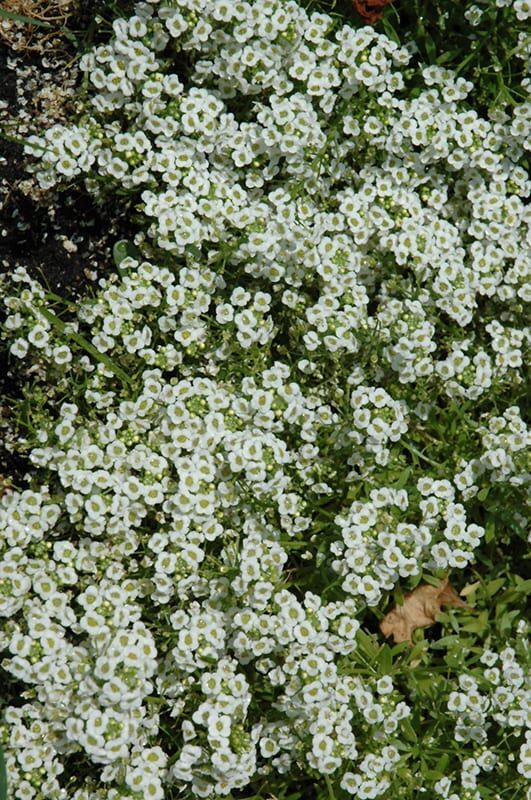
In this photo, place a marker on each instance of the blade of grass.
(18, 140)
(38, 23)
(86, 345)
(23, 19)
(3, 776)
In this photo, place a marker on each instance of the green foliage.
(485, 53)
(3, 776)
(88, 434)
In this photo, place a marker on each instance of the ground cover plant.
(295, 408)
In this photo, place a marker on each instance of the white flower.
(19, 348)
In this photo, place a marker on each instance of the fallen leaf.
(419, 610)
(370, 10)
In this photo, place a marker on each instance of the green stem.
(84, 344)
(414, 450)
(3, 776)
(328, 782)
(23, 142)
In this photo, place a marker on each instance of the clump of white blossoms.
(243, 442)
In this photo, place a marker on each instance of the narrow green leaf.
(3, 776)
(85, 344)
(402, 479)
(194, 250)
(18, 140)
(399, 648)
(389, 30)
(37, 23)
(433, 580)
(385, 659)
(442, 763)
(495, 586)
(24, 20)
(432, 774)
(367, 645)
(408, 730)
(444, 642)
(398, 596)
(478, 625)
(55, 298)
(414, 581)
(444, 58)
(430, 46)
(417, 650)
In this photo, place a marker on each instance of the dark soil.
(62, 237)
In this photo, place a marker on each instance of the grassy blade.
(3, 776)
(85, 344)
(18, 140)
(38, 23)
(24, 20)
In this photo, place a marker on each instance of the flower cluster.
(246, 439)
(503, 700)
(499, 698)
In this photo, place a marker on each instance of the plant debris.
(420, 608)
(49, 17)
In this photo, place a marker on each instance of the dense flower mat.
(300, 395)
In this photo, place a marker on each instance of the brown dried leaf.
(420, 608)
(370, 10)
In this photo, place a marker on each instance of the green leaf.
(125, 249)
(3, 776)
(399, 648)
(478, 625)
(85, 344)
(507, 620)
(442, 763)
(522, 586)
(429, 45)
(417, 650)
(415, 580)
(444, 58)
(390, 31)
(402, 479)
(444, 642)
(385, 659)
(367, 645)
(398, 596)
(194, 250)
(495, 586)
(408, 730)
(433, 580)
(432, 775)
